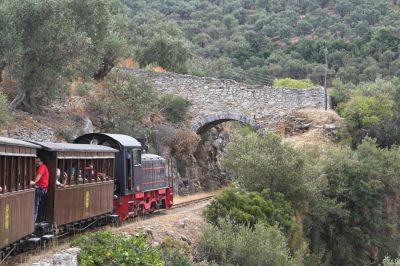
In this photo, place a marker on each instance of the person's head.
(58, 173)
(38, 161)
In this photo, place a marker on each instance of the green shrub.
(365, 183)
(367, 116)
(5, 115)
(105, 248)
(252, 208)
(174, 253)
(293, 83)
(83, 89)
(174, 107)
(261, 162)
(230, 244)
(388, 262)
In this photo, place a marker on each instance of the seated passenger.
(60, 182)
(89, 172)
(102, 176)
(80, 179)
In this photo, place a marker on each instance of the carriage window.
(73, 172)
(137, 154)
(82, 171)
(16, 173)
(62, 178)
(129, 168)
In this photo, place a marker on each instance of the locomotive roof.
(124, 140)
(148, 156)
(17, 142)
(70, 147)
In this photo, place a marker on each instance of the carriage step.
(43, 224)
(114, 215)
(132, 213)
(47, 237)
(34, 239)
(131, 202)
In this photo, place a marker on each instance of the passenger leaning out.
(41, 184)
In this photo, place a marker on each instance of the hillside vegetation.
(304, 205)
(258, 40)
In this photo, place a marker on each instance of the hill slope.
(256, 40)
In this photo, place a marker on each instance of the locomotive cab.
(128, 158)
(141, 184)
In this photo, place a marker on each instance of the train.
(100, 178)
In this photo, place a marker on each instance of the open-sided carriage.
(81, 181)
(17, 167)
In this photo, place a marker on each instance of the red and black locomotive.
(141, 183)
(99, 177)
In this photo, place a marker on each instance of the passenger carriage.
(17, 168)
(81, 182)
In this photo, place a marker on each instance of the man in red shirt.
(41, 183)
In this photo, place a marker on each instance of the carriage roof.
(70, 147)
(17, 142)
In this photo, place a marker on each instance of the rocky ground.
(311, 127)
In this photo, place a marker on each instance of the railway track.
(190, 202)
(46, 246)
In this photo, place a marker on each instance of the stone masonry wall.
(221, 99)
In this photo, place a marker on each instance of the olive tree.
(45, 42)
(261, 162)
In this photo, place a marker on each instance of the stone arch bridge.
(218, 100)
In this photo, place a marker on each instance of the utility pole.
(326, 74)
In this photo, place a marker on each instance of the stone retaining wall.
(221, 99)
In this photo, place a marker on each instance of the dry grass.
(128, 63)
(319, 117)
(182, 141)
(316, 135)
(40, 254)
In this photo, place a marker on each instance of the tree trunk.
(24, 96)
(19, 98)
(28, 103)
(2, 66)
(108, 64)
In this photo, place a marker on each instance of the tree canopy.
(345, 200)
(262, 40)
(45, 43)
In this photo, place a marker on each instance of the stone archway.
(209, 121)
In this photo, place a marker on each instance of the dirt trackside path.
(183, 224)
